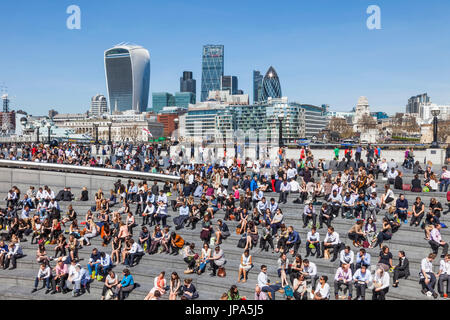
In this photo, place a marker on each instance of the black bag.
(242, 242)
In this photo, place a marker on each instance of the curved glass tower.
(271, 85)
(127, 69)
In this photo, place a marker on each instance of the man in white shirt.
(313, 239)
(134, 255)
(436, 240)
(362, 278)
(347, 256)
(310, 272)
(45, 275)
(262, 206)
(444, 275)
(331, 241)
(427, 276)
(295, 186)
(264, 283)
(381, 285)
(348, 204)
(285, 187)
(309, 213)
(335, 201)
(344, 277)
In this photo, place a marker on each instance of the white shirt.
(313, 237)
(444, 267)
(384, 280)
(426, 265)
(325, 291)
(295, 186)
(358, 276)
(262, 279)
(343, 275)
(311, 269)
(436, 235)
(347, 258)
(332, 238)
(136, 248)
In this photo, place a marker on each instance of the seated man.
(344, 277)
(310, 272)
(436, 241)
(182, 218)
(14, 253)
(402, 269)
(361, 205)
(134, 255)
(374, 206)
(362, 259)
(325, 215)
(293, 242)
(309, 213)
(105, 265)
(264, 284)
(335, 201)
(313, 242)
(331, 241)
(444, 275)
(362, 278)
(94, 263)
(401, 206)
(348, 205)
(427, 276)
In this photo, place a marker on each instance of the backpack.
(288, 292)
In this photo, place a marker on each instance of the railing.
(54, 167)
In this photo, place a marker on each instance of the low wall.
(57, 177)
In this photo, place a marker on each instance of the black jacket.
(404, 267)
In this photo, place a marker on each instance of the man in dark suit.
(402, 269)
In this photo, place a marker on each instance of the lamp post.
(96, 133)
(176, 121)
(435, 113)
(48, 125)
(37, 132)
(257, 144)
(280, 134)
(109, 133)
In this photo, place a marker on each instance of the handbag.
(406, 187)
(238, 230)
(221, 272)
(241, 243)
(366, 244)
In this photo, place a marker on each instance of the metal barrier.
(54, 167)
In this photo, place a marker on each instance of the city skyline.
(316, 62)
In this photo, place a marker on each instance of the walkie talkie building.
(127, 69)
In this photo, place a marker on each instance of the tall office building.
(161, 100)
(183, 99)
(229, 83)
(257, 86)
(414, 103)
(271, 85)
(99, 105)
(188, 84)
(212, 69)
(127, 69)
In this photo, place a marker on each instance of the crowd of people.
(132, 223)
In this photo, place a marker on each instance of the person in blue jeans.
(402, 208)
(45, 275)
(94, 263)
(264, 283)
(445, 180)
(125, 285)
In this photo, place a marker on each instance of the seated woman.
(245, 266)
(283, 269)
(233, 294)
(398, 181)
(356, 233)
(205, 234)
(188, 290)
(284, 236)
(300, 288)
(159, 285)
(41, 255)
(416, 184)
(385, 260)
(60, 247)
(384, 234)
(418, 211)
(252, 236)
(157, 239)
(204, 258)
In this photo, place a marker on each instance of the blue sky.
(322, 50)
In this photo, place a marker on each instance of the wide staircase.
(17, 284)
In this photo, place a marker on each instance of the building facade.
(127, 69)
(161, 100)
(99, 105)
(414, 103)
(257, 86)
(188, 84)
(184, 99)
(229, 83)
(212, 69)
(271, 85)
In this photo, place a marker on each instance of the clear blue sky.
(322, 50)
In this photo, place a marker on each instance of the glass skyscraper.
(257, 86)
(271, 85)
(229, 83)
(161, 100)
(212, 69)
(127, 69)
(188, 84)
(183, 99)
